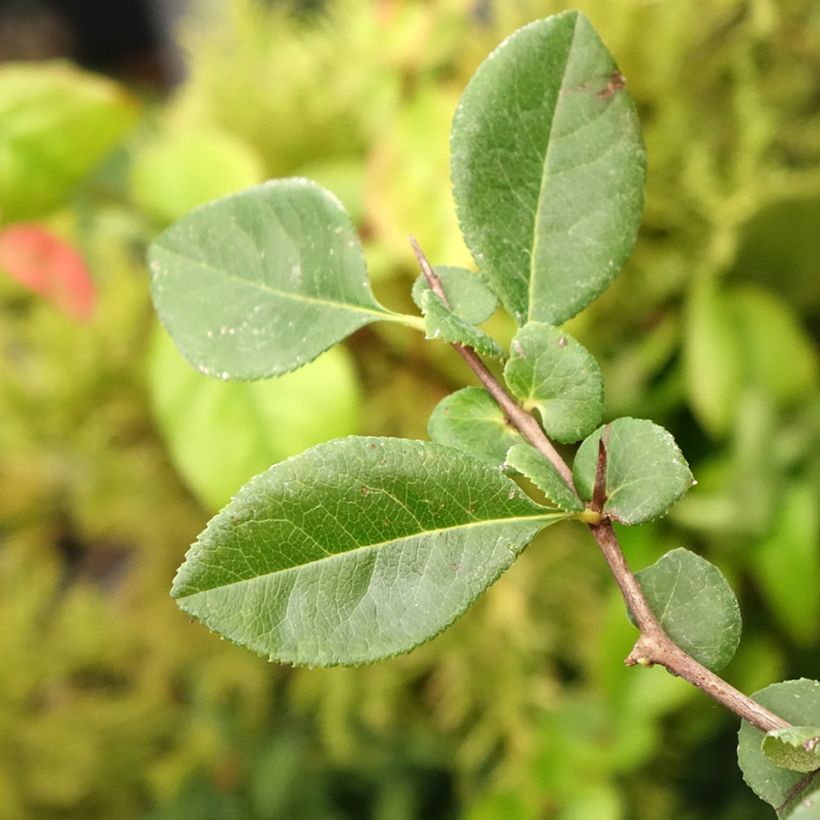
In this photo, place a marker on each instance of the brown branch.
(653, 646)
(523, 421)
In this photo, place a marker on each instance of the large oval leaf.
(548, 169)
(797, 701)
(261, 282)
(355, 550)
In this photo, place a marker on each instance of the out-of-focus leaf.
(787, 563)
(469, 420)
(441, 323)
(778, 356)
(646, 472)
(739, 338)
(220, 434)
(695, 605)
(261, 282)
(798, 702)
(49, 266)
(186, 168)
(712, 359)
(468, 297)
(356, 550)
(56, 123)
(796, 748)
(548, 169)
(529, 462)
(549, 371)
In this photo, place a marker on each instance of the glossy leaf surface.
(468, 297)
(549, 371)
(798, 702)
(548, 169)
(529, 462)
(355, 550)
(695, 605)
(646, 472)
(261, 282)
(469, 420)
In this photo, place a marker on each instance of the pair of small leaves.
(356, 550)
(469, 302)
(646, 472)
(783, 766)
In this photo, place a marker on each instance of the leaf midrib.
(547, 517)
(533, 251)
(380, 312)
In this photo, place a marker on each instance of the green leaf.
(470, 421)
(798, 702)
(355, 550)
(807, 807)
(167, 179)
(646, 473)
(441, 323)
(220, 434)
(529, 462)
(549, 371)
(713, 366)
(695, 605)
(261, 282)
(796, 748)
(469, 298)
(548, 169)
(56, 124)
(786, 562)
(771, 336)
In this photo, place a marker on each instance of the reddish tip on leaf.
(50, 267)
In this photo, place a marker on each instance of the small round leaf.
(549, 371)
(470, 421)
(469, 298)
(695, 605)
(646, 472)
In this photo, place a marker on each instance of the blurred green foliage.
(112, 704)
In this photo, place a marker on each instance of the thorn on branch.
(599, 488)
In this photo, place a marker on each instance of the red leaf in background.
(49, 266)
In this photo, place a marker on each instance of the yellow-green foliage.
(113, 705)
